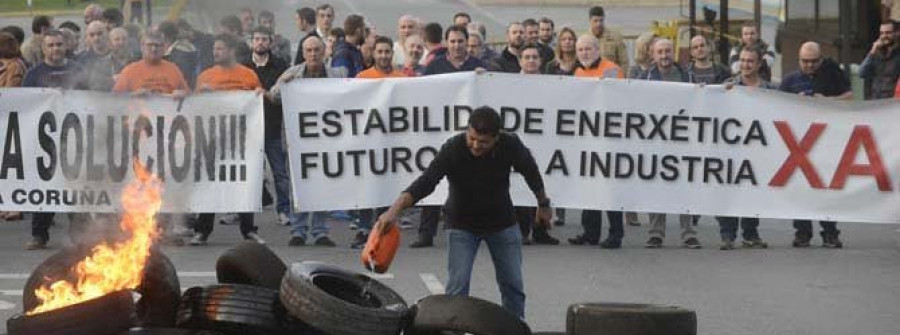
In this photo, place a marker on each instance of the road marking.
(5, 305)
(13, 293)
(432, 283)
(14, 275)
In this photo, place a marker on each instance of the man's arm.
(525, 164)
(420, 188)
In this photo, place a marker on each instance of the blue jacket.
(348, 56)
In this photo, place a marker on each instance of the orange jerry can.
(380, 249)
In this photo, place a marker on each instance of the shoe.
(581, 240)
(559, 223)
(801, 242)
(422, 243)
(359, 241)
(831, 241)
(634, 223)
(198, 239)
(654, 243)
(404, 225)
(254, 237)
(283, 219)
(755, 243)
(727, 245)
(611, 243)
(182, 231)
(36, 244)
(297, 241)
(229, 219)
(324, 241)
(692, 243)
(545, 239)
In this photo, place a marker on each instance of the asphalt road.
(781, 290)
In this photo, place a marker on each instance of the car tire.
(626, 318)
(439, 313)
(107, 315)
(250, 263)
(236, 309)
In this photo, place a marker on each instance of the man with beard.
(612, 48)
(281, 47)
(881, 68)
(532, 35)
(226, 75)
(346, 52)
(508, 61)
(703, 70)
(306, 24)
(268, 68)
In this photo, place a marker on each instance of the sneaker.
(229, 219)
(692, 243)
(359, 241)
(324, 241)
(611, 243)
(172, 240)
(831, 241)
(727, 245)
(36, 244)
(654, 243)
(254, 237)
(800, 242)
(755, 243)
(422, 243)
(581, 240)
(297, 241)
(283, 219)
(545, 239)
(182, 231)
(198, 239)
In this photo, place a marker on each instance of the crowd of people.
(247, 53)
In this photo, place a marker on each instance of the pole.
(723, 29)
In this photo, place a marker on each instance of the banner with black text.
(604, 144)
(73, 151)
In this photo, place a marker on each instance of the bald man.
(407, 25)
(97, 63)
(817, 76)
(664, 67)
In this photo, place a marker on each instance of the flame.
(111, 268)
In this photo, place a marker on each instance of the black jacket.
(268, 76)
(506, 62)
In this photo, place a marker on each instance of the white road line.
(14, 275)
(12, 293)
(432, 283)
(5, 305)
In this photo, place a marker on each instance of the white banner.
(605, 144)
(73, 151)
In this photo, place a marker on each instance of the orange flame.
(112, 268)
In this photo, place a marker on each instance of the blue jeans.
(278, 162)
(300, 224)
(728, 226)
(505, 247)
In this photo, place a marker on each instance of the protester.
(415, 48)
(118, 46)
(248, 21)
(113, 18)
(702, 69)
(532, 35)
(306, 24)
(434, 46)
(612, 47)
(477, 49)
(478, 164)
(93, 12)
(54, 71)
(547, 32)
(508, 60)
(180, 51)
(407, 26)
(642, 56)
(750, 37)
(32, 49)
(281, 47)
(462, 19)
(97, 61)
(268, 68)
(152, 74)
(232, 25)
(16, 32)
(313, 67)
(12, 67)
(881, 67)
(72, 34)
(817, 77)
(592, 65)
(226, 75)
(566, 60)
(336, 35)
(324, 20)
(367, 49)
(346, 52)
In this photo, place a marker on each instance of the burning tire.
(236, 309)
(167, 331)
(252, 264)
(160, 290)
(438, 313)
(620, 318)
(160, 293)
(341, 302)
(108, 315)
